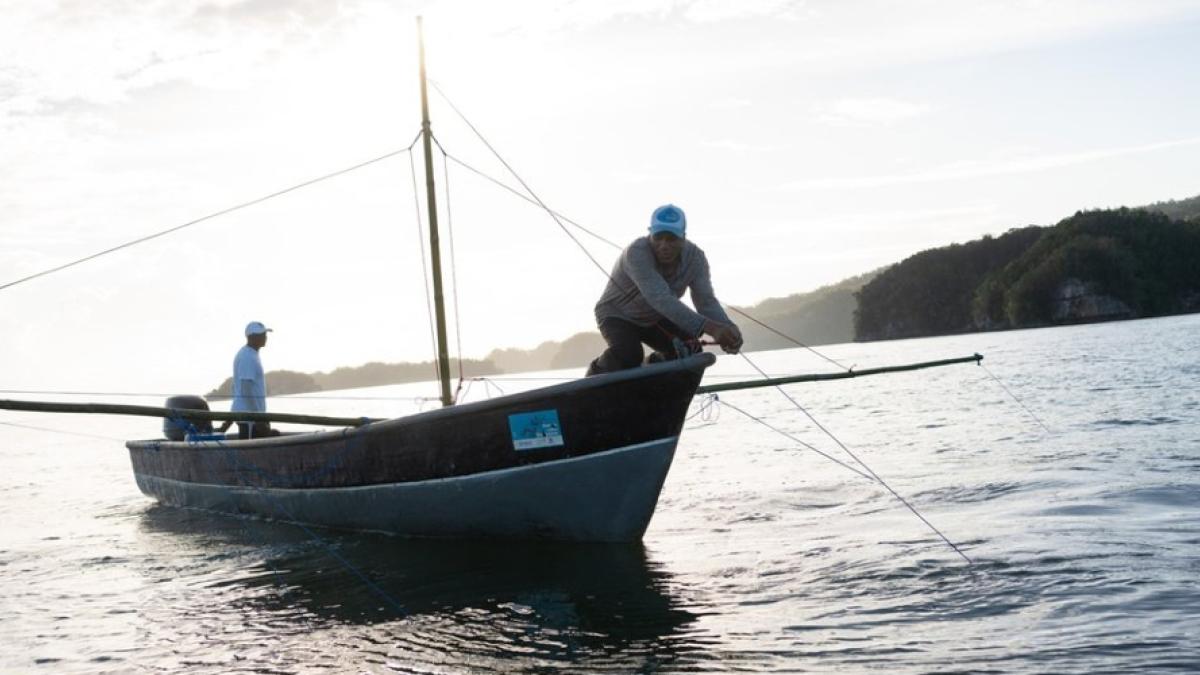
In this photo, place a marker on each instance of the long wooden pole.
(434, 249)
(150, 411)
(774, 381)
(175, 413)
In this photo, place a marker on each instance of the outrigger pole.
(434, 250)
(819, 377)
(190, 414)
(181, 413)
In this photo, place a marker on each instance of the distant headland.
(1101, 265)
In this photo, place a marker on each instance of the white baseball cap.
(256, 328)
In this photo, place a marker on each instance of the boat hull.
(601, 497)
(582, 461)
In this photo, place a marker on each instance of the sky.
(808, 141)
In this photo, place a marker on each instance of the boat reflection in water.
(464, 603)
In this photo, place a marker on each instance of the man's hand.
(726, 334)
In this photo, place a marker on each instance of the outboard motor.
(174, 430)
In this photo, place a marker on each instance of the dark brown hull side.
(594, 414)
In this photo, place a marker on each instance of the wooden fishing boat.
(580, 461)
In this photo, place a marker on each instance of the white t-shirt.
(249, 383)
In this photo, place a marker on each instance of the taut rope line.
(210, 216)
(808, 446)
(791, 339)
(557, 216)
(453, 270)
(521, 181)
(424, 265)
(558, 221)
(1014, 397)
(499, 183)
(871, 471)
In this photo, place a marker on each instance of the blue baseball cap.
(256, 328)
(668, 218)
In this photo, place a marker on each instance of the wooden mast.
(434, 250)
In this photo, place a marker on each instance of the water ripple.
(762, 557)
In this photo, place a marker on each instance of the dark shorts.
(254, 430)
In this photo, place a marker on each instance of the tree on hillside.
(578, 350)
(822, 316)
(931, 293)
(1144, 259)
(1183, 209)
(279, 383)
(282, 382)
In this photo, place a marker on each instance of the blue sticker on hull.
(533, 430)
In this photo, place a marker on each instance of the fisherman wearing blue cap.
(641, 303)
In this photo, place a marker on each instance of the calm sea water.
(762, 557)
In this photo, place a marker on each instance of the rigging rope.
(874, 475)
(559, 222)
(521, 181)
(210, 216)
(556, 215)
(1014, 397)
(61, 431)
(791, 339)
(518, 194)
(453, 271)
(777, 430)
(709, 411)
(424, 268)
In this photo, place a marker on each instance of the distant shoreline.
(1094, 267)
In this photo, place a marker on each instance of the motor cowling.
(178, 429)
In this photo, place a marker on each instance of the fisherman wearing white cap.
(641, 303)
(249, 383)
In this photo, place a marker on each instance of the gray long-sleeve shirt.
(639, 291)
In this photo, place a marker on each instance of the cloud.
(630, 175)
(550, 15)
(271, 11)
(881, 33)
(968, 169)
(731, 104)
(100, 52)
(868, 111)
(704, 11)
(736, 146)
(837, 226)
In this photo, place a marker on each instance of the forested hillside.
(283, 382)
(1093, 266)
(931, 293)
(1117, 264)
(823, 316)
(1183, 209)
